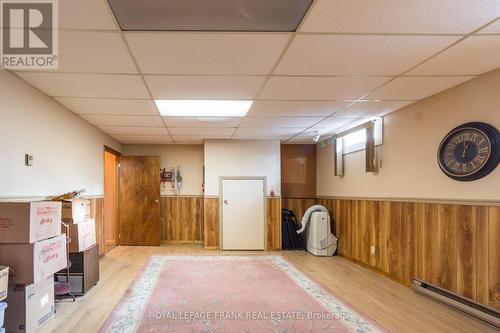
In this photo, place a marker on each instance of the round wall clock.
(470, 151)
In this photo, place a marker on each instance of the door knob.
(156, 201)
(225, 202)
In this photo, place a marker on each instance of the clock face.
(470, 151)
(466, 151)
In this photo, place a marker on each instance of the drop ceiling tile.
(323, 131)
(319, 88)
(118, 120)
(196, 138)
(295, 108)
(143, 139)
(276, 122)
(368, 55)
(206, 53)
(189, 141)
(472, 56)
(88, 14)
(94, 52)
(493, 28)
(87, 85)
(202, 122)
(416, 88)
(300, 141)
(206, 131)
(204, 87)
(134, 130)
(373, 108)
(389, 16)
(282, 138)
(109, 106)
(303, 138)
(266, 132)
(193, 139)
(332, 124)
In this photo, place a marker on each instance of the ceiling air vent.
(209, 15)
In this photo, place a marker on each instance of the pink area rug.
(222, 294)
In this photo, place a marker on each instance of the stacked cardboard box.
(82, 231)
(75, 210)
(32, 245)
(31, 306)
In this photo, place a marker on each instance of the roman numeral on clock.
(480, 159)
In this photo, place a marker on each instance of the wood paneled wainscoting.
(273, 207)
(298, 205)
(211, 220)
(97, 213)
(181, 219)
(455, 246)
(211, 214)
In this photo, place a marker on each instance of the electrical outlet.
(28, 159)
(372, 249)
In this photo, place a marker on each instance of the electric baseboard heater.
(463, 304)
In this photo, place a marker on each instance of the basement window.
(366, 136)
(354, 141)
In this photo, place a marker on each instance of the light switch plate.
(28, 160)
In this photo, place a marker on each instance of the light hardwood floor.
(394, 306)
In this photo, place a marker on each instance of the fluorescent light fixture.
(209, 15)
(203, 108)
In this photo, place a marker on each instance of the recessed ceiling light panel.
(209, 15)
(203, 108)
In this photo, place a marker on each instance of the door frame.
(117, 194)
(221, 196)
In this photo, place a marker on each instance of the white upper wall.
(242, 158)
(68, 152)
(409, 153)
(188, 157)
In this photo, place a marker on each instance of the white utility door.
(243, 214)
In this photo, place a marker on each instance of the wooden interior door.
(139, 200)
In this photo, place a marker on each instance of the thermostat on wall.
(28, 160)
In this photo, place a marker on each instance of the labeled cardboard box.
(31, 263)
(30, 307)
(83, 235)
(75, 210)
(4, 281)
(29, 222)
